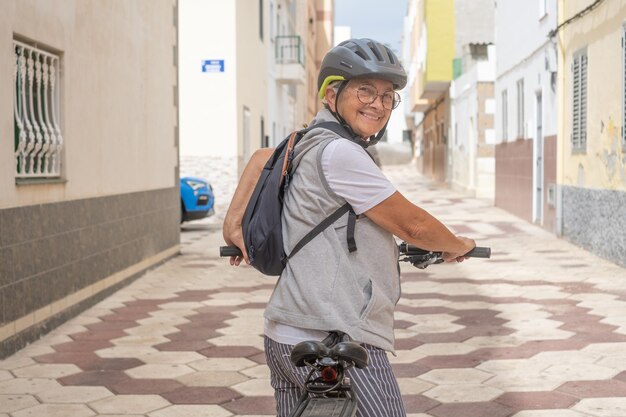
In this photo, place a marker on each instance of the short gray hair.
(335, 86)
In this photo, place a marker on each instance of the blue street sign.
(213, 65)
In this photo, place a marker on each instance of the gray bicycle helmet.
(360, 58)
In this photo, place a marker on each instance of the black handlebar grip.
(230, 251)
(479, 252)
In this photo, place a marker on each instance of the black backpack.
(262, 220)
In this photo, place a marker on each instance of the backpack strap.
(336, 215)
(350, 230)
(323, 225)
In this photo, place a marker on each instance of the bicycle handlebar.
(230, 251)
(420, 258)
(412, 250)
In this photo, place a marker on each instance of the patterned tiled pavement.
(537, 331)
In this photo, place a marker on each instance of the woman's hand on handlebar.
(468, 245)
(234, 237)
(238, 241)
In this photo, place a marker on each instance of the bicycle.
(327, 390)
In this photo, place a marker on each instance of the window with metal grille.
(579, 101)
(520, 108)
(37, 133)
(505, 115)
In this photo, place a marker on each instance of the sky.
(381, 20)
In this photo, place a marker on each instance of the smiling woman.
(361, 107)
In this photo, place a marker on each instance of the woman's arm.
(232, 232)
(404, 219)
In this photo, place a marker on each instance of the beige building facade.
(89, 160)
(428, 57)
(591, 158)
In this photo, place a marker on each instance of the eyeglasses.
(368, 94)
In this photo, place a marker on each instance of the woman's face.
(364, 119)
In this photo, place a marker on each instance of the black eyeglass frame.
(396, 97)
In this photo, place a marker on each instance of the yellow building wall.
(603, 165)
(440, 24)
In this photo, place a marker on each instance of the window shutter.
(576, 102)
(583, 102)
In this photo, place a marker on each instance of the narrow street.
(539, 330)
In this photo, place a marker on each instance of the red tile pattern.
(539, 327)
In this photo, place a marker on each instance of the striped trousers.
(376, 387)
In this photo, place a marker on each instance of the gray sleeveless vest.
(324, 286)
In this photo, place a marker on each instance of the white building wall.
(469, 171)
(285, 108)
(208, 112)
(525, 52)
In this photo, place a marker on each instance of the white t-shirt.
(351, 174)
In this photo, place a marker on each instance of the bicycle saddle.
(308, 351)
(350, 352)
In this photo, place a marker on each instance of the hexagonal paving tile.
(444, 348)
(456, 376)
(521, 381)
(409, 386)
(56, 410)
(258, 371)
(238, 340)
(13, 402)
(129, 404)
(477, 409)
(463, 393)
(27, 385)
(548, 413)
(212, 379)
(170, 357)
(201, 395)
(74, 394)
(15, 362)
(46, 371)
(144, 386)
(158, 370)
(222, 364)
(191, 410)
(539, 400)
(603, 349)
(602, 407)
(436, 323)
(493, 341)
(580, 371)
(406, 356)
(254, 387)
(562, 357)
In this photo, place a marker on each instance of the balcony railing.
(290, 60)
(289, 50)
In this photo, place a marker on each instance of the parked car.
(196, 199)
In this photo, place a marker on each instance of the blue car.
(196, 199)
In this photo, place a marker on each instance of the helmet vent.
(361, 55)
(345, 64)
(375, 50)
(391, 56)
